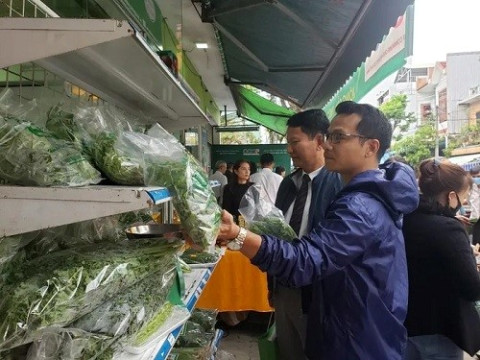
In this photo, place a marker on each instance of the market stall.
(86, 144)
(72, 284)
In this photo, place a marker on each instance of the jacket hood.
(393, 184)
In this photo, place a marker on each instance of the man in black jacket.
(303, 197)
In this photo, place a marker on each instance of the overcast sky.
(445, 26)
(441, 27)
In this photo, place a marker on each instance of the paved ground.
(241, 341)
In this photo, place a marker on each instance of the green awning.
(261, 111)
(389, 56)
(302, 51)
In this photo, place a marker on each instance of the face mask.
(476, 180)
(449, 211)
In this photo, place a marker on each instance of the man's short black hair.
(373, 123)
(266, 159)
(312, 122)
(475, 170)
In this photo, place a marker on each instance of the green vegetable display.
(56, 289)
(70, 344)
(132, 315)
(128, 311)
(132, 217)
(32, 157)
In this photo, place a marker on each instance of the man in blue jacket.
(305, 134)
(357, 250)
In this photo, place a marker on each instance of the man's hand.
(228, 229)
(465, 220)
(476, 249)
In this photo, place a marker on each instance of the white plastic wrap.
(262, 217)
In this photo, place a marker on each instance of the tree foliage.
(468, 136)
(240, 138)
(394, 110)
(418, 146)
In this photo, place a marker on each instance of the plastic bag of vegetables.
(76, 344)
(14, 250)
(168, 163)
(199, 329)
(262, 217)
(102, 134)
(129, 310)
(11, 107)
(30, 156)
(59, 288)
(71, 344)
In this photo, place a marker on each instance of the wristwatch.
(237, 243)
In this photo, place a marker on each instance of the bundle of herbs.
(59, 288)
(262, 217)
(31, 156)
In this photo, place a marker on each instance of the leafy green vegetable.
(32, 157)
(100, 333)
(272, 225)
(192, 256)
(71, 344)
(56, 289)
(61, 124)
(193, 198)
(198, 330)
(191, 353)
(153, 325)
(128, 311)
(117, 165)
(131, 217)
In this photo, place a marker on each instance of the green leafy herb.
(272, 225)
(56, 289)
(119, 167)
(32, 157)
(193, 198)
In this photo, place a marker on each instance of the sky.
(445, 26)
(440, 27)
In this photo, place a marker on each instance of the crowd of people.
(383, 267)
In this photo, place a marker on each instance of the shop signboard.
(389, 56)
(148, 15)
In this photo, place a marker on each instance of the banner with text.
(389, 56)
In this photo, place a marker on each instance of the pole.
(437, 139)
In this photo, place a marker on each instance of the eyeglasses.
(336, 137)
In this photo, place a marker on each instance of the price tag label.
(171, 339)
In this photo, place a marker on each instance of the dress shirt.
(298, 182)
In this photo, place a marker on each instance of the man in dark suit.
(303, 197)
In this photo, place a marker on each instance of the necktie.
(299, 206)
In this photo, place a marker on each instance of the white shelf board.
(195, 282)
(215, 342)
(24, 209)
(107, 58)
